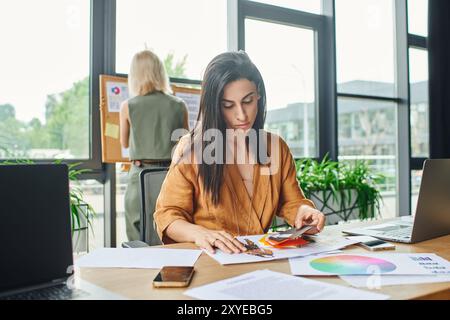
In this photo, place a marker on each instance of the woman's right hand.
(211, 239)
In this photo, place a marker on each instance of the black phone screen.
(174, 274)
(374, 243)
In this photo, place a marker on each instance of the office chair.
(150, 181)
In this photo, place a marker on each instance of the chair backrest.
(151, 181)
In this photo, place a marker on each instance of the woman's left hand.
(307, 215)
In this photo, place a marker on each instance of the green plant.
(76, 194)
(340, 178)
(77, 199)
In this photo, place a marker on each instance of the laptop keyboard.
(51, 293)
(399, 233)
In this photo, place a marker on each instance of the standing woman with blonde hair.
(147, 121)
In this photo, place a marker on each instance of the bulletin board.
(113, 91)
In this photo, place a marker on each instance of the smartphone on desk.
(173, 277)
(376, 245)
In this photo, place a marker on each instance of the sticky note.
(112, 130)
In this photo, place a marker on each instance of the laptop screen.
(35, 235)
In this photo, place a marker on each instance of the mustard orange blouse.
(275, 192)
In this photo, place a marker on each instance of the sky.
(45, 44)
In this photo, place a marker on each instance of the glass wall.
(416, 179)
(121, 186)
(185, 34)
(418, 84)
(365, 48)
(418, 17)
(418, 79)
(312, 6)
(367, 131)
(93, 195)
(44, 100)
(288, 68)
(367, 125)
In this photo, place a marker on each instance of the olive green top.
(153, 118)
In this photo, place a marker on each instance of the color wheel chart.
(351, 264)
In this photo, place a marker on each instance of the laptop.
(35, 236)
(432, 217)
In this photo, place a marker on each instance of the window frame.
(416, 42)
(102, 61)
(92, 163)
(324, 73)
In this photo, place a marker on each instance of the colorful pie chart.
(115, 90)
(351, 264)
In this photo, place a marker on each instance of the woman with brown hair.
(229, 177)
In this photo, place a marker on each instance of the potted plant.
(341, 190)
(81, 213)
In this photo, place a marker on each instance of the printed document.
(370, 264)
(378, 281)
(144, 258)
(269, 285)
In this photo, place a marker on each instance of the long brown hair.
(223, 69)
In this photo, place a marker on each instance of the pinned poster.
(117, 92)
(191, 97)
(113, 91)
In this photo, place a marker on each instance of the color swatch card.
(370, 264)
(320, 244)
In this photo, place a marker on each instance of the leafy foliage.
(175, 70)
(340, 178)
(66, 125)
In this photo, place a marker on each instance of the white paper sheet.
(370, 264)
(145, 258)
(269, 285)
(322, 244)
(378, 281)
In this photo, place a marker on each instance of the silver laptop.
(432, 217)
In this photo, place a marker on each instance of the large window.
(313, 6)
(286, 60)
(185, 34)
(93, 193)
(418, 17)
(418, 87)
(367, 108)
(44, 100)
(367, 131)
(365, 47)
(416, 180)
(418, 78)
(121, 186)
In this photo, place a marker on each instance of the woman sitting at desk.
(229, 177)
